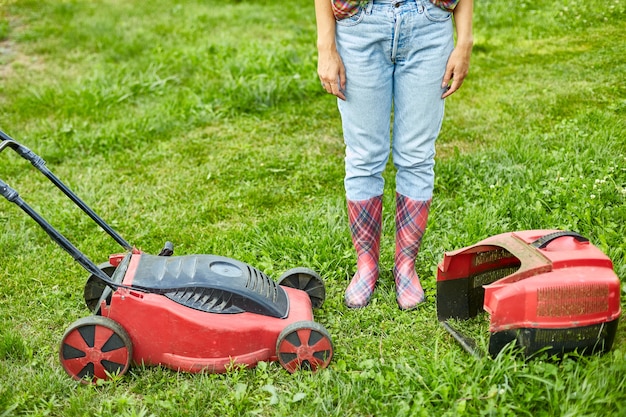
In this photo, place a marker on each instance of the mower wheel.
(95, 286)
(307, 280)
(304, 345)
(95, 347)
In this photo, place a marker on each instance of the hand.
(457, 69)
(332, 73)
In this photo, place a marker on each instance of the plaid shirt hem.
(343, 9)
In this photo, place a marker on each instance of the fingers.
(452, 85)
(450, 88)
(332, 73)
(451, 82)
(334, 88)
(447, 77)
(457, 69)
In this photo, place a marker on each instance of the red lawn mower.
(545, 290)
(193, 313)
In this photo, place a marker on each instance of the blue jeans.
(395, 53)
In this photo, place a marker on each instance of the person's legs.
(365, 114)
(424, 42)
(393, 52)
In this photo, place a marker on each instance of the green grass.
(203, 123)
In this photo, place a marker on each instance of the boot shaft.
(365, 218)
(411, 220)
(411, 217)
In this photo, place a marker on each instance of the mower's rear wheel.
(307, 280)
(95, 286)
(95, 347)
(304, 345)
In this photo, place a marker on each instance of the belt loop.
(368, 7)
(420, 6)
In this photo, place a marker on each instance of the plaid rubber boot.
(411, 218)
(365, 227)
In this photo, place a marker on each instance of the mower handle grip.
(39, 163)
(544, 241)
(22, 150)
(8, 192)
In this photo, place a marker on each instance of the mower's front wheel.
(307, 280)
(304, 345)
(95, 347)
(95, 286)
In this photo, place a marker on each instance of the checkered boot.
(365, 227)
(411, 218)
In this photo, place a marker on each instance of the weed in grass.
(13, 347)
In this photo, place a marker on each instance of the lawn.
(203, 123)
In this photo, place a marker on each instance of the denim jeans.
(395, 53)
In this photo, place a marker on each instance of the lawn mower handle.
(40, 164)
(13, 196)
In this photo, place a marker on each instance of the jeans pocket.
(435, 13)
(353, 20)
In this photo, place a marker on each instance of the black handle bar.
(40, 164)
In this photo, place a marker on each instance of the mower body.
(202, 312)
(196, 313)
(545, 289)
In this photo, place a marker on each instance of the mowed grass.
(203, 123)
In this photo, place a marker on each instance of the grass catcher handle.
(466, 343)
(544, 241)
(40, 164)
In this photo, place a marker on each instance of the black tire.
(304, 345)
(307, 280)
(95, 347)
